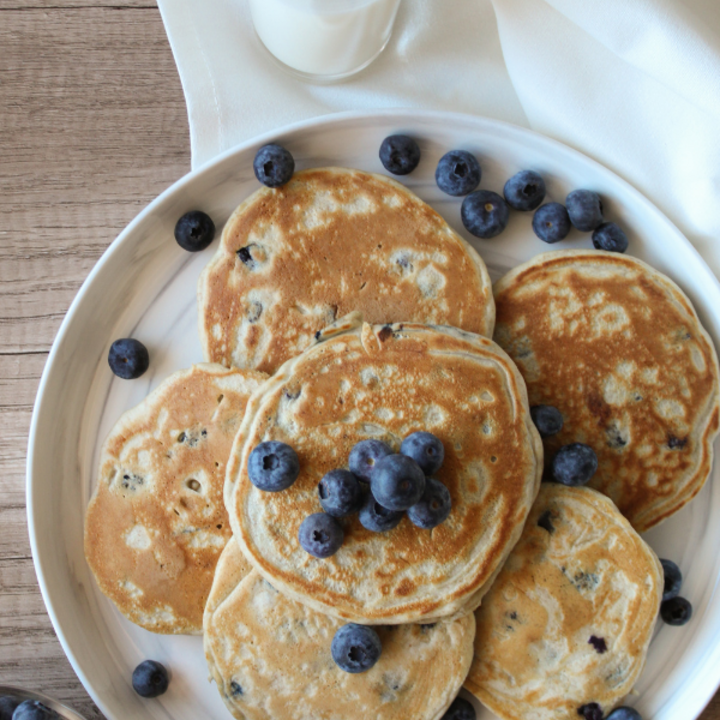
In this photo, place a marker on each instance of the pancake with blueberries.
(156, 524)
(619, 350)
(332, 241)
(270, 657)
(362, 381)
(564, 631)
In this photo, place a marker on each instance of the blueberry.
(460, 709)
(524, 190)
(434, 505)
(273, 466)
(365, 455)
(128, 358)
(194, 231)
(548, 419)
(585, 209)
(377, 518)
(610, 237)
(591, 711)
(574, 464)
(484, 213)
(273, 165)
(399, 154)
(355, 648)
(8, 703)
(150, 679)
(321, 535)
(551, 222)
(397, 482)
(676, 610)
(425, 449)
(624, 713)
(673, 579)
(457, 173)
(34, 710)
(340, 493)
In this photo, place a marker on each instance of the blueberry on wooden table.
(194, 231)
(460, 709)
(150, 679)
(355, 648)
(574, 464)
(273, 466)
(457, 173)
(397, 482)
(676, 611)
(585, 209)
(340, 493)
(524, 190)
(321, 535)
(551, 222)
(547, 419)
(425, 449)
(273, 165)
(128, 358)
(399, 154)
(484, 214)
(610, 237)
(672, 579)
(34, 710)
(376, 518)
(433, 507)
(365, 455)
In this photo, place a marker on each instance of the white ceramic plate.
(144, 286)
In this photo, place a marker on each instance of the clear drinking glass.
(324, 40)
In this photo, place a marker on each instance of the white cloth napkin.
(634, 84)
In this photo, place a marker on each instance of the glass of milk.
(324, 40)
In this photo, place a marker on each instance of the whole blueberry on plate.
(8, 703)
(551, 222)
(484, 214)
(355, 648)
(321, 535)
(150, 679)
(128, 358)
(399, 154)
(273, 165)
(365, 455)
(273, 466)
(433, 507)
(585, 209)
(340, 493)
(673, 579)
(34, 710)
(425, 449)
(574, 464)
(397, 482)
(676, 610)
(548, 419)
(373, 516)
(194, 231)
(460, 709)
(457, 173)
(524, 190)
(611, 237)
(624, 713)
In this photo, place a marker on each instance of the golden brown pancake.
(270, 657)
(156, 524)
(569, 619)
(619, 350)
(362, 381)
(330, 242)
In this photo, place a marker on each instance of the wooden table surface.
(92, 127)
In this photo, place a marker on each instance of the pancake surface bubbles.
(333, 241)
(619, 350)
(270, 657)
(570, 617)
(362, 381)
(157, 524)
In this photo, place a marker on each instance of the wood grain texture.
(92, 127)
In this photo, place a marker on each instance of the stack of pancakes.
(340, 308)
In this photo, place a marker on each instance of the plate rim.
(405, 117)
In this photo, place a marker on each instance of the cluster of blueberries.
(380, 486)
(485, 213)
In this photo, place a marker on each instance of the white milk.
(329, 38)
